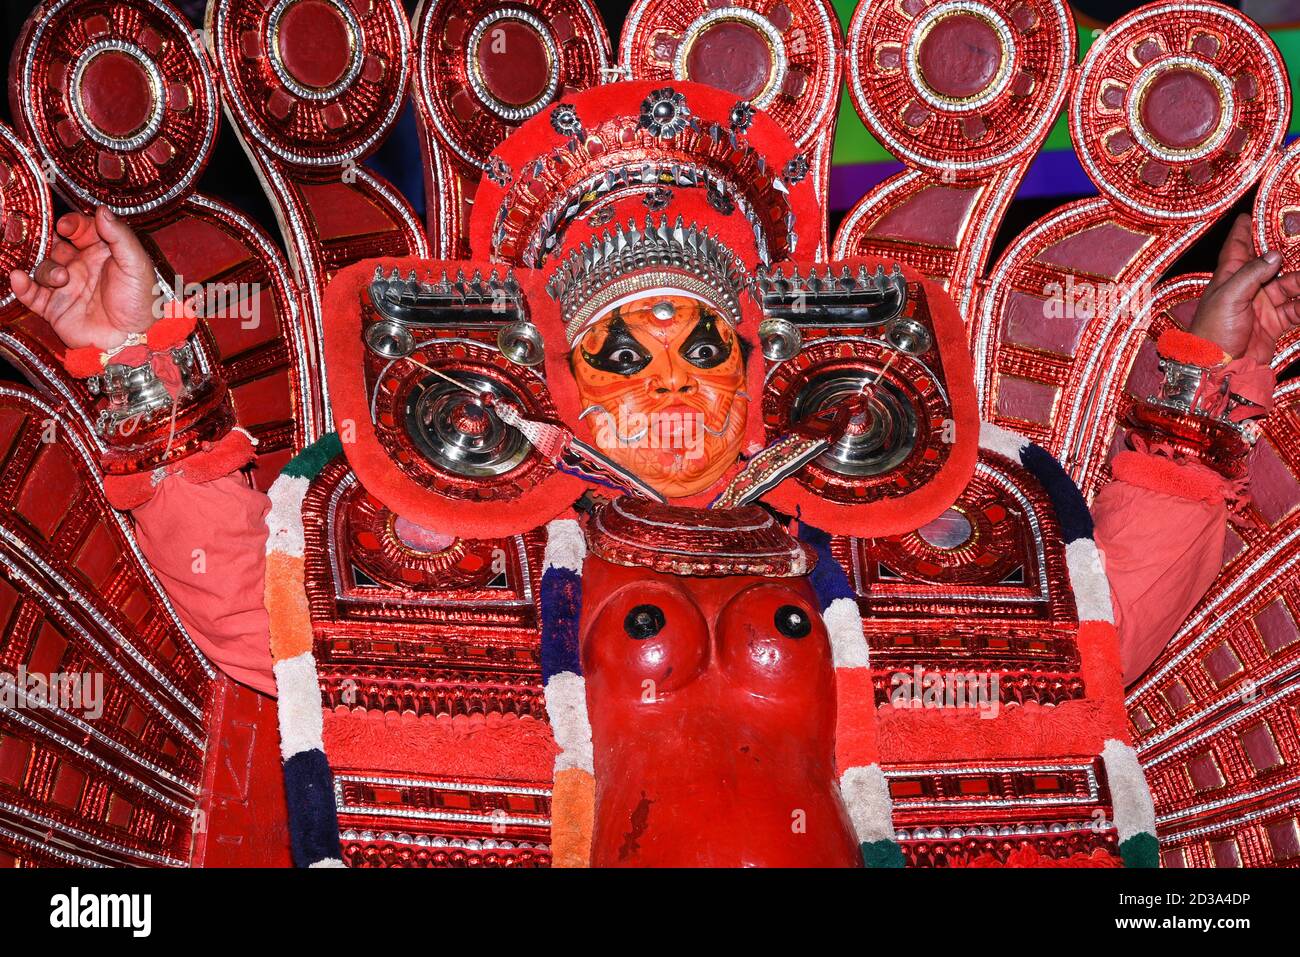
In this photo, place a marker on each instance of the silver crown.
(623, 259)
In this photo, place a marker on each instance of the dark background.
(229, 176)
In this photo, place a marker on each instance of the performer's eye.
(792, 621)
(644, 621)
(620, 353)
(705, 348)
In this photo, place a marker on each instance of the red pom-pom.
(1182, 346)
(84, 363)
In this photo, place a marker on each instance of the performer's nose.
(676, 377)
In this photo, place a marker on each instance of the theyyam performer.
(720, 496)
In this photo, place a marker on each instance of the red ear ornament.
(401, 395)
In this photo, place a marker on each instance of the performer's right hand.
(96, 287)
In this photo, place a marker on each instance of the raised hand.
(1247, 307)
(96, 287)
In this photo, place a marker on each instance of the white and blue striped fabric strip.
(302, 721)
(866, 797)
(566, 706)
(1135, 812)
(1089, 582)
(284, 521)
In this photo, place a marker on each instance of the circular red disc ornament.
(960, 86)
(482, 67)
(118, 100)
(1177, 108)
(1277, 208)
(315, 82)
(26, 214)
(782, 57)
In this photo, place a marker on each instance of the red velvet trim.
(176, 325)
(344, 358)
(493, 746)
(1159, 473)
(1182, 346)
(1022, 731)
(229, 454)
(904, 513)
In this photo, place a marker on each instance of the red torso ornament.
(713, 722)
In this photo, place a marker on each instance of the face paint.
(660, 380)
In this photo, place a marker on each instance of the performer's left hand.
(1247, 307)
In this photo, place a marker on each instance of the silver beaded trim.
(1247, 818)
(250, 129)
(1119, 191)
(151, 125)
(111, 847)
(908, 151)
(512, 114)
(440, 841)
(272, 43)
(131, 780)
(184, 180)
(999, 83)
(780, 63)
(108, 659)
(1154, 146)
(52, 850)
(1001, 830)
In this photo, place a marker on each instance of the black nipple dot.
(792, 621)
(644, 621)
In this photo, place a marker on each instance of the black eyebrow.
(617, 337)
(706, 330)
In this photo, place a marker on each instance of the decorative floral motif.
(742, 116)
(601, 217)
(665, 113)
(498, 170)
(796, 169)
(564, 120)
(658, 198)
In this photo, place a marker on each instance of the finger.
(1285, 286)
(122, 242)
(50, 274)
(1242, 286)
(31, 295)
(62, 253)
(1237, 249)
(1290, 312)
(78, 229)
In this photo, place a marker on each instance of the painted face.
(660, 380)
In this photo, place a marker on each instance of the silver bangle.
(1178, 391)
(135, 393)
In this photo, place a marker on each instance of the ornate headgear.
(624, 261)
